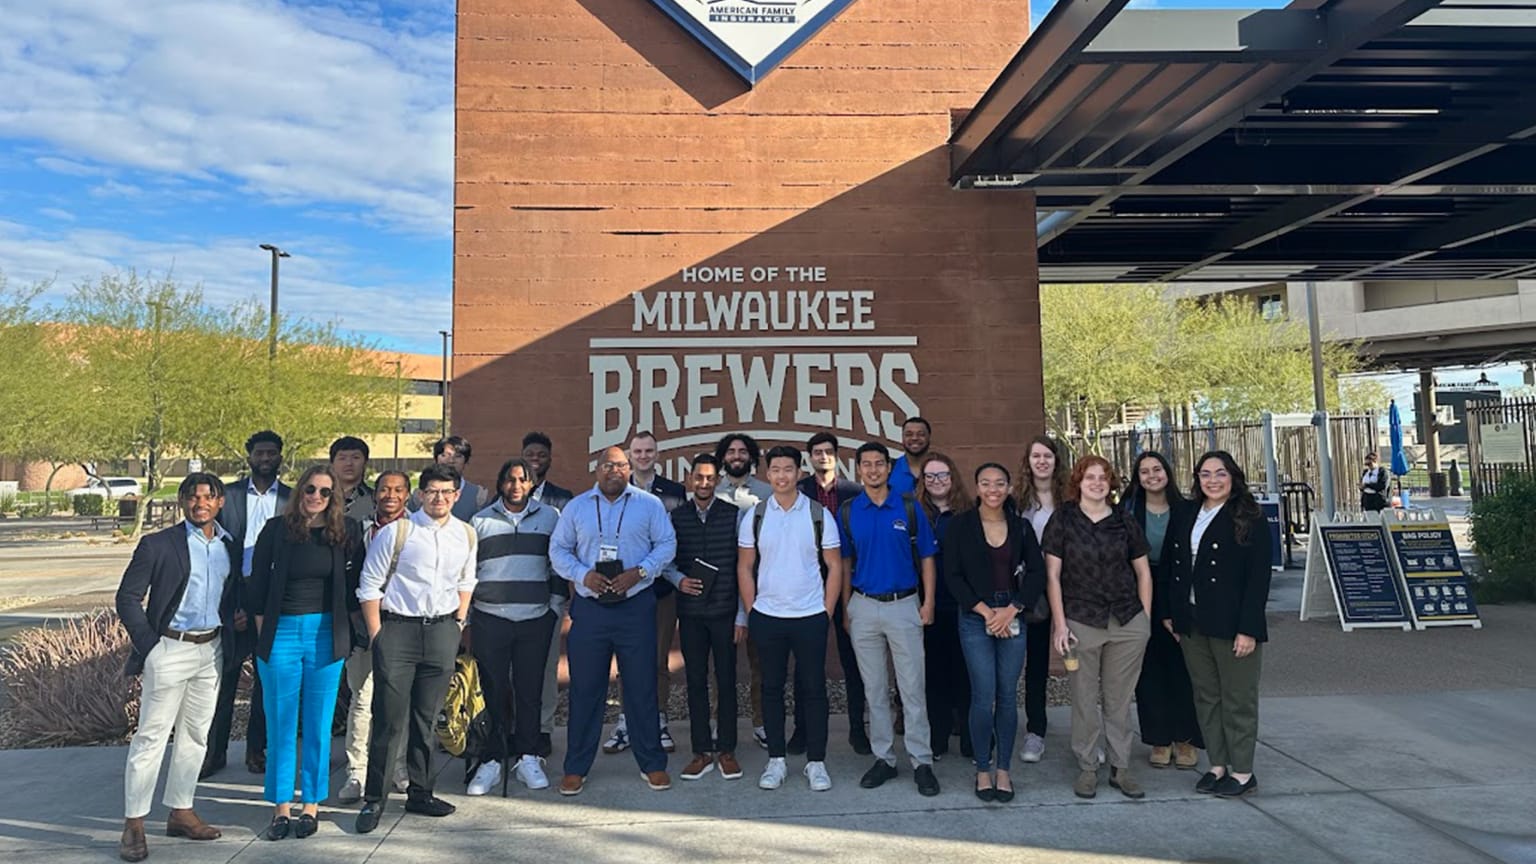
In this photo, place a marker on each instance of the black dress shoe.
(877, 774)
(306, 826)
(1228, 787)
(368, 817)
(858, 739)
(927, 784)
(988, 794)
(428, 804)
(796, 743)
(279, 828)
(256, 763)
(1206, 785)
(211, 766)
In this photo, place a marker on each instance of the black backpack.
(912, 511)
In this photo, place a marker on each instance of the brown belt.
(194, 638)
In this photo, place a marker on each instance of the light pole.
(445, 335)
(272, 325)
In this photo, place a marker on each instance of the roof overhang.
(1341, 140)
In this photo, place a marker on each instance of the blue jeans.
(299, 671)
(994, 665)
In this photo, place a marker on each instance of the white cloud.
(320, 284)
(57, 213)
(322, 105)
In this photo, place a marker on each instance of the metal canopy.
(1346, 139)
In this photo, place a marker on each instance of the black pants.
(1165, 700)
(949, 681)
(705, 638)
(224, 711)
(511, 657)
(851, 678)
(806, 639)
(412, 667)
(1037, 672)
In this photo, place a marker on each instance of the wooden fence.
(1490, 458)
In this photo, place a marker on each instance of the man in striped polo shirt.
(511, 624)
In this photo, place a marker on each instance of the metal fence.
(1296, 452)
(1515, 451)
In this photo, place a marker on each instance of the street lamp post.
(272, 309)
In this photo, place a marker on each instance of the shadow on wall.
(671, 50)
(898, 296)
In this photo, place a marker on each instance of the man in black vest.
(709, 616)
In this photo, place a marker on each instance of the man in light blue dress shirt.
(611, 543)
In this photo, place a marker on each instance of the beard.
(738, 469)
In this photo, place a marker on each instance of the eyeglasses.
(322, 491)
(438, 493)
(936, 476)
(613, 466)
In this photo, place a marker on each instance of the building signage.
(778, 352)
(752, 36)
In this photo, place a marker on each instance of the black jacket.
(160, 569)
(232, 517)
(713, 541)
(269, 576)
(968, 566)
(1230, 579)
(1374, 497)
(1179, 511)
(847, 490)
(555, 496)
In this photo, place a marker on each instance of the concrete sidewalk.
(1429, 777)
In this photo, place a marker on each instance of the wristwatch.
(643, 573)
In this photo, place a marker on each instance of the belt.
(194, 638)
(888, 598)
(386, 615)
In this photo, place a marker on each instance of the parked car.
(109, 487)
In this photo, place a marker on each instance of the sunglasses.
(322, 491)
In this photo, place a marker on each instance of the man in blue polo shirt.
(889, 546)
(907, 472)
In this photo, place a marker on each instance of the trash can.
(1455, 477)
(127, 508)
(1437, 484)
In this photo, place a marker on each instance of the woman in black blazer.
(1218, 588)
(302, 589)
(1165, 701)
(993, 567)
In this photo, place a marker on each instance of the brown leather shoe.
(186, 823)
(572, 784)
(658, 780)
(133, 846)
(702, 764)
(730, 769)
(1161, 757)
(1185, 756)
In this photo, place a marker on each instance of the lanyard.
(597, 505)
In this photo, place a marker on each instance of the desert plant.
(90, 505)
(66, 682)
(1504, 537)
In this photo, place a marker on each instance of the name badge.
(607, 553)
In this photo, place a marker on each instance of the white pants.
(180, 691)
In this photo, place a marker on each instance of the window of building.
(420, 427)
(423, 387)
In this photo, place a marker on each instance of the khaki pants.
(180, 690)
(1110, 664)
(892, 629)
(1226, 698)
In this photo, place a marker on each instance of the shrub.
(1504, 537)
(66, 682)
(90, 505)
(7, 501)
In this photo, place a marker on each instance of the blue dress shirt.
(637, 523)
(199, 609)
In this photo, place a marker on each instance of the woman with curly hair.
(1039, 488)
(1219, 585)
(1100, 588)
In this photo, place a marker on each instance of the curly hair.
(335, 519)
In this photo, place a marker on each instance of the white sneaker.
(618, 742)
(816, 772)
(760, 735)
(351, 791)
(402, 780)
(529, 771)
(774, 774)
(1034, 748)
(486, 778)
(667, 743)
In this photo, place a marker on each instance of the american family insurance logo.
(752, 36)
(777, 352)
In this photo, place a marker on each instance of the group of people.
(1144, 594)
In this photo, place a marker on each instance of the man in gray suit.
(248, 504)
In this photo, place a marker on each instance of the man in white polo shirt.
(790, 573)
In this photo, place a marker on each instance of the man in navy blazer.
(252, 500)
(177, 602)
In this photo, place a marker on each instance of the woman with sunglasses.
(1218, 589)
(943, 496)
(302, 587)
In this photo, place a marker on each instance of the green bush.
(90, 505)
(1504, 537)
(66, 682)
(7, 502)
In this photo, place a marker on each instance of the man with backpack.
(790, 577)
(415, 591)
(889, 547)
